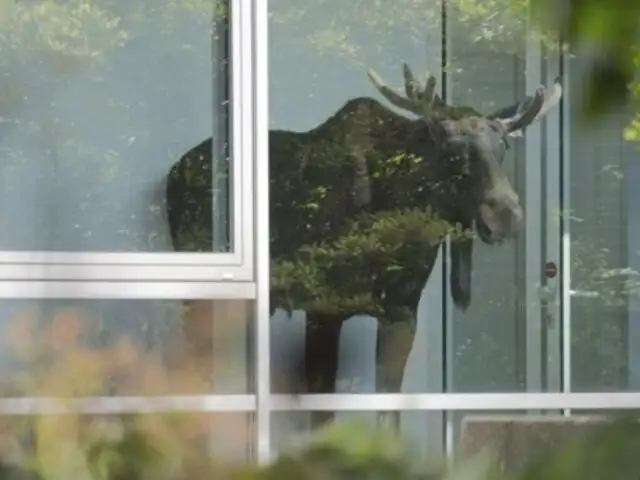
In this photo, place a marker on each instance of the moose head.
(470, 151)
(464, 174)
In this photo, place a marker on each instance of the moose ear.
(461, 253)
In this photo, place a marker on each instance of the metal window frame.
(172, 266)
(565, 247)
(264, 408)
(118, 405)
(456, 401)
(127, 290)
(376, 402)
(448, 307)
(533, 223)
(553, 188)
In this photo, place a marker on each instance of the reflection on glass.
(198, 184)
(367, 181)
(487, 342)
(605, 261)
(116, 347)
(423, 430)
(98, 102)
(53, 444)
(515, 437)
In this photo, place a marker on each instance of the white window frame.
(175, 266)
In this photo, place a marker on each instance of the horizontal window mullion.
(120, 405)
(105, 272)
(456, 401)
(123, 258)
(127, 290)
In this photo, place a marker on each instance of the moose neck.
(408, 168)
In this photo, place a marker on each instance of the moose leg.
(394, 343)
(321, 358)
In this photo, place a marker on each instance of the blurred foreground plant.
(611, 30)
(63, 444)
(61, 358)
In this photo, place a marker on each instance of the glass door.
(510, 338)
(512, 322)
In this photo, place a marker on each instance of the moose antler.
(531, 109)
(419, 100)
(424, 102)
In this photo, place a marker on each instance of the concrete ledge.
(518, 439)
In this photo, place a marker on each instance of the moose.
(363, 161)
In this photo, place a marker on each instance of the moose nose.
(517, 219)
(512, 215)
(503, 215)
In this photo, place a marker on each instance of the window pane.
(187, 440)
(514, 436)
(100, 103)
(605, 261)
(425, 430)
(519, 437)
(363, 193)
(320, 156)
(125, 347)
(488, 341)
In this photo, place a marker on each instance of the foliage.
(158, 445)
(61, 358)
(611, 28)
(632, 132)
(342, 275)
(83, 37)
(78, 35)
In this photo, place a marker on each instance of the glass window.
(369, 177)
(322, 124)
(47, 442)
(515, 436)
(519, 437)
(487, 342)
(117, 127)
(604, 244)
(424, 430)
(96, 348)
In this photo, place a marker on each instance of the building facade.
(94, 122)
